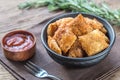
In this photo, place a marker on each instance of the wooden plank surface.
(11, 18)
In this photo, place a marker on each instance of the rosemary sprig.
(113, 16)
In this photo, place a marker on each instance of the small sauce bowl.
(18, 45)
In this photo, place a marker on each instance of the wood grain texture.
(5, 75)
(11, 18)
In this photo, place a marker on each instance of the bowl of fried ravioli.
(78, 39)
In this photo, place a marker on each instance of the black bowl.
(79, 62)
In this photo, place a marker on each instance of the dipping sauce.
(19, 45)
(18, 42)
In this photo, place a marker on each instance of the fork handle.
(53, 77)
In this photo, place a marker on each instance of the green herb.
(87, 6)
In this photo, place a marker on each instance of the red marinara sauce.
(18, 42)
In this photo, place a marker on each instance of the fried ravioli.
(95, 24)
(65, 38)
(53, 45)
(51, 29)
(55, 25)
(63, 21)
(94, 42)
(79, 26)
(77, 37)
(76, 50)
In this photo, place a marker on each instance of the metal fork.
(38, 71)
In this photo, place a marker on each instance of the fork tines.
(32, 67)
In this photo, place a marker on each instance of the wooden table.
(11, 18)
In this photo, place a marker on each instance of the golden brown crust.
(76, 50)
(93, 42)
(55, 25)
(65, 38)
(51, 29)
(53, 45)
(95, 24)
(62, 22)
(79, 26)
